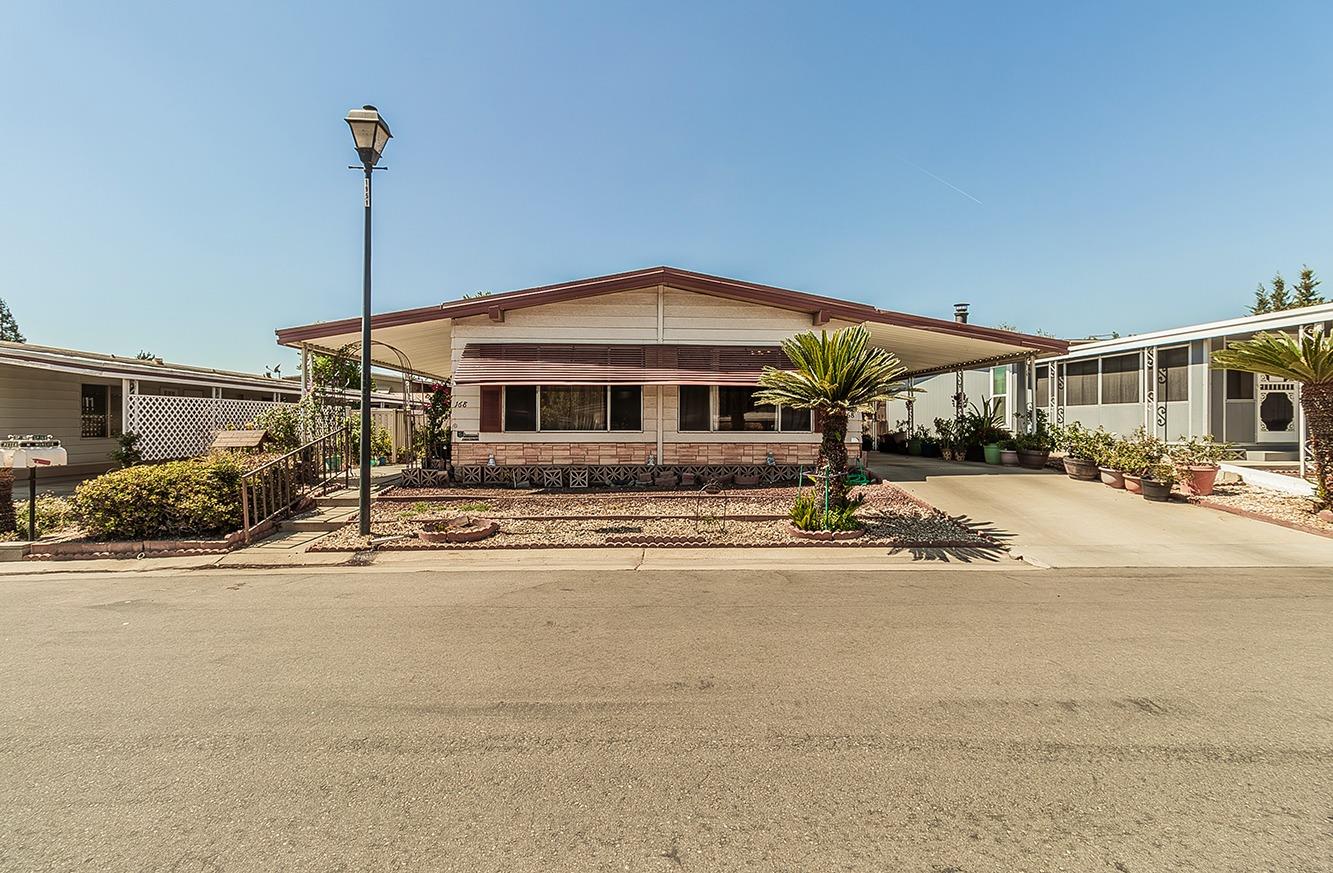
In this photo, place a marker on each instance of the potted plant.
(1034, 449)
(1197, 462)
(1157, 482)
(1009, 452)
(1111, 465)
(1136, 455)
(1082, 447)
(916, 441)
(986, 424)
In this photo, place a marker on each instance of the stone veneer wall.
(637, 453)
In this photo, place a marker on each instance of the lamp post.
(370, 133)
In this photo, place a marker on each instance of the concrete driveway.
(1052, 520)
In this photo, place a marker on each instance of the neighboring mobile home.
(1159, 380)
(655, 366)
(86, 400)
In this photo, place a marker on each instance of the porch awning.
(607, 364)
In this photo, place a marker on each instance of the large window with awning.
(533, 408)
(732, 408)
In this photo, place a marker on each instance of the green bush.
(807, 513)
(179, 498)
(53, 514)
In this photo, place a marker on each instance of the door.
(1275, 408)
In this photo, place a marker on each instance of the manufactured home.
(655, 367)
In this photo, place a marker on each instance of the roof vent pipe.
(960, 312)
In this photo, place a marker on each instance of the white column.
(125, 406)
(305, 369)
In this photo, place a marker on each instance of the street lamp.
(370, 133)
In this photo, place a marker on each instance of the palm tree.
(834, 375)
(1306, 358)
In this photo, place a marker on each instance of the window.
(1240, 385)
(736, 410)
(795, 420)
(999, 388)
(95, 422)
(573, 408)
(520, 407)
(696, 408)
(1120, 379)
(1043, 388)
(1081, 383)
(1173, 373)
(626, 407)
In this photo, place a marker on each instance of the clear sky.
(176, 182)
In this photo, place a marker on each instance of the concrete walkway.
(1051, 520)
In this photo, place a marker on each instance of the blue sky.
(177, 182)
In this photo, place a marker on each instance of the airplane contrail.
(942, 181)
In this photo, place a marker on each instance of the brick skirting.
(637, 453)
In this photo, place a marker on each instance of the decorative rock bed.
(734, 518)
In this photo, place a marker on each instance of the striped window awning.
(606, 364)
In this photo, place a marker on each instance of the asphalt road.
(922, 719)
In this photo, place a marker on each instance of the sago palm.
(835, 375)
(1306, 358)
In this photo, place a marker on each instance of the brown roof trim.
(820, 307)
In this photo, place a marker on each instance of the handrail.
(276, 487)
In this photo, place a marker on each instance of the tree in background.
(1280, 297)
(9, 328)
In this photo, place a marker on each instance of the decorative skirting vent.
(599, 475)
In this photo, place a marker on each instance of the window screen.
(736, 410)
(1173, 373)
(695, 408)
(1043, 389)
(94, 421)
(1120, 379)
(1081, 383)
(626, 407)
(1240, 386)
(521, 407)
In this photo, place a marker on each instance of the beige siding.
(45, 401)
(668, 315)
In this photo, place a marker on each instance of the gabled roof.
(822, 309)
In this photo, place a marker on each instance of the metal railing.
(275, 488)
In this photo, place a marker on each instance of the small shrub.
(179, 498)
(807, 513)
(127, 452)
(53, 514)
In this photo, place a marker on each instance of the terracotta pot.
(1200, 479)
(1133, 484)
(1158, 492)
(991, 453)
(1033, 459)
(1114, 478)
(1081, 469)
(1009, 457)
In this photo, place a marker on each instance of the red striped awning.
(597, 364)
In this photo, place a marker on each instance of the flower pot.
(1114, 478)
(1133, 484)
(914, 447)
(1009, 457)
(1081, 469)
(1033, 459)
(1159, 492)
(1199, 479)
(991, 453)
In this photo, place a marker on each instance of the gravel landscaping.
(749, 517)
(1286, 508)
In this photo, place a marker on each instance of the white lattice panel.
(183, 427)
